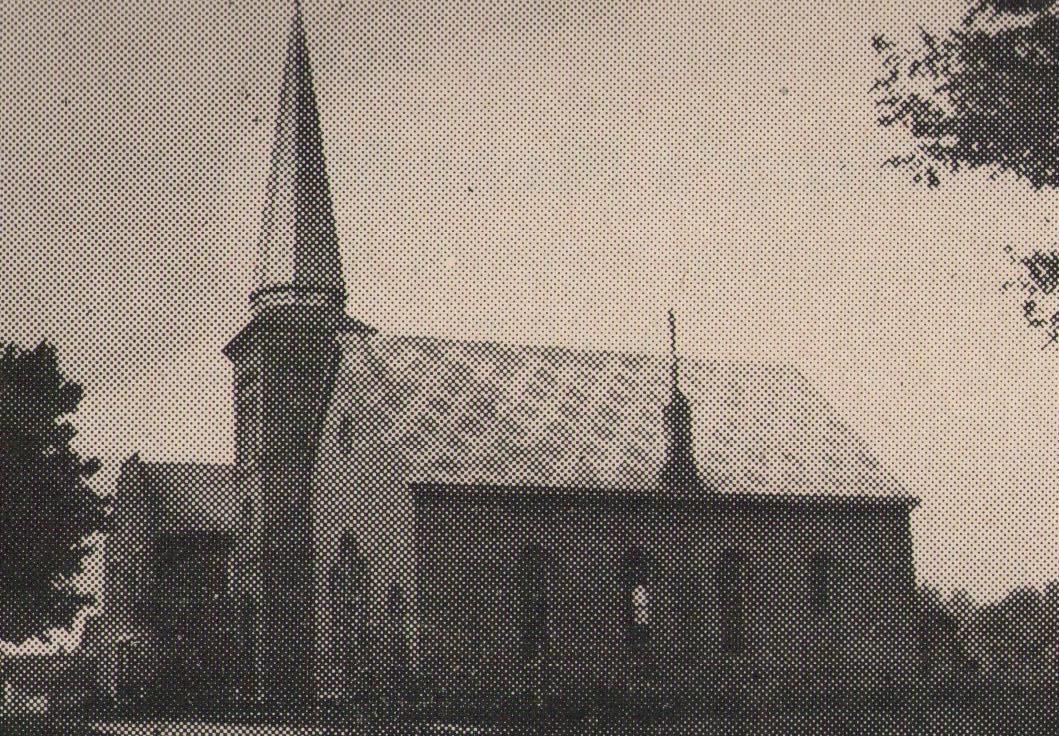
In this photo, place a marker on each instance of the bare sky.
(541, 172)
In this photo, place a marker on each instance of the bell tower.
(284, 362)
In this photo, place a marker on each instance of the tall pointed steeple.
(679, 470)
(285, 361)
(299, 261)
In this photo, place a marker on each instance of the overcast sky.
(540, 172)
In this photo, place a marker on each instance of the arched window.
(246, 414)
(397, 623)
(534, 588)
(233, 570)
(637, 588)
(821, 567)
(348, 609)
(731, 584)
(248, 514)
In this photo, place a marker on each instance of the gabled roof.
(192, 496)
(454, 412)
(516, 418)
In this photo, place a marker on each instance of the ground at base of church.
(193, 728)
(933, 720)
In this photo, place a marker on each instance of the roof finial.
(679, 469)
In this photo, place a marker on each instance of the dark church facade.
(489, 522)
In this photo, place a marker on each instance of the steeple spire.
(285, 362)
(299, 262)
(679, 471)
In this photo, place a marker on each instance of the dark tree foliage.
(1019, 629)
(47, 508)
(984, 95)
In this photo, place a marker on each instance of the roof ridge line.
(693, 359)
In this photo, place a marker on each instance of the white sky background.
(540, 172)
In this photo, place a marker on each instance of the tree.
(985, 95)
(47, 509)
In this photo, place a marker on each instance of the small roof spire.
(679, 472)
(299, 255)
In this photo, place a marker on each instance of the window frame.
(533, 600)
(636, 574)
(821, 571)
(731, 585)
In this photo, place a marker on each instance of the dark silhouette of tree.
(47, 509)
(984, 95)
(1018, 632)
(937, 630)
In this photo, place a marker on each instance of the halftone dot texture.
(486, 530)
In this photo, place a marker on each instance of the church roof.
(299, 254)
(192, 496)
(455, 412)
(459, 415)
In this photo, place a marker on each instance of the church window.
(820, 583)
(534, 598)
(144, 579)
(732, 584)
(248, 635)
(637, 599)
(232, 573)
(397, 623)
(246, 413)
(348, 579)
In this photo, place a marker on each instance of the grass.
(931, 719)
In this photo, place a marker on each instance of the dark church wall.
(469, 559)
(791, 594)
(133, 525)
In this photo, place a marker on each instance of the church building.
(490, 521)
